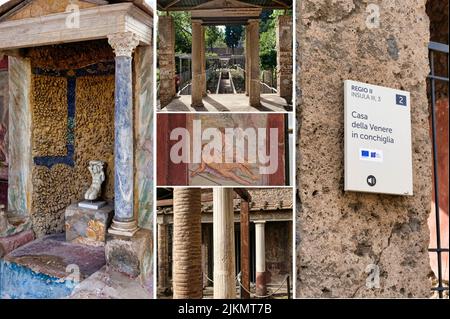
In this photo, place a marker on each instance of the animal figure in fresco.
(227, 170)
(98, 177)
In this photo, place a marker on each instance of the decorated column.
(224, 253)
(261, 288)
(187, 244)
(124, 222)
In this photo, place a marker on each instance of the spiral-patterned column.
(187, 244)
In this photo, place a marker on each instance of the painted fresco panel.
(257, 152)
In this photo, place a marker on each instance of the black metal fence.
(438, 88)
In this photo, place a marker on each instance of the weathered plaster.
(143, 132)
(37, 8)
(20, 187)
(340, 234)
(4, 114)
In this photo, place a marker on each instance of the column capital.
(123, 43)
(259, 221)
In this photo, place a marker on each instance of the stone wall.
(73, 122)
(340, 234)
(272, 195)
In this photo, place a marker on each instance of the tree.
(183, 31)
(267, 39)
(233, 35)
(213, 36)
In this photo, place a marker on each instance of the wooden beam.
(281, 3)
(206, 197)
(275, 216)
(244, 194)
(245, 250)
(171, 4)
(164, 202)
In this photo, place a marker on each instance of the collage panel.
(225, 119)
(372, 149)
(254, 151)
(224, 150)
(225, 56)
(224, 243)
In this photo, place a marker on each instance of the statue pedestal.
(131, 255)
(92, 204)
(88, 226)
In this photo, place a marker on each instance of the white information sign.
(377, 142)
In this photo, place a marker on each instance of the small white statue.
(98, 177)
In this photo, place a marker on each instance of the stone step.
(53, 256)
(109, 284)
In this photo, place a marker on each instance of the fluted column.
(187, 244)
(124, 222)
(260, 248)
(224, 252)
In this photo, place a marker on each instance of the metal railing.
(437, 48)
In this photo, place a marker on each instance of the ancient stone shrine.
(80, 89)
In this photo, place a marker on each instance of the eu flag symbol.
(364, 153)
